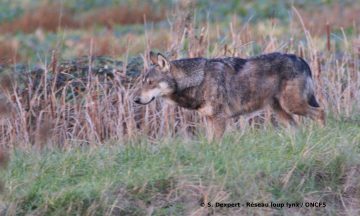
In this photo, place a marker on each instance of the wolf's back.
(237, 64)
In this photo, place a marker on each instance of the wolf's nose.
(137, 100)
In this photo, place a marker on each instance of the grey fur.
(222, 88)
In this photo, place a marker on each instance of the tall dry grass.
(42, 114)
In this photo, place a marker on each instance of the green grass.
(173, 177)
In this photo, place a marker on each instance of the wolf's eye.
(149, 82)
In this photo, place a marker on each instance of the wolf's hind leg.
(300, 106)
(284, 117)
(317, 114)
(295, 99)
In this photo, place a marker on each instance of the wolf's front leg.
(216, 128)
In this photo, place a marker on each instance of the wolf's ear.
(163, 62)
(153, 57)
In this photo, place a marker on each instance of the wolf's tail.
(306, 66)
(310, 84)
(312, 101)
(310, 92)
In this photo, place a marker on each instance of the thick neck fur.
(188, 72)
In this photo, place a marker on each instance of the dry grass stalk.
(106, 111)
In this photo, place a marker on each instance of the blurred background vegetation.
(30, 30)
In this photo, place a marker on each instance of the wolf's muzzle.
(138, 101)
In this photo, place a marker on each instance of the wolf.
(223, 88)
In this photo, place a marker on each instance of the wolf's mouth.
(149, 101)
(138, 101)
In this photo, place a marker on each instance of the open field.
(172, 177)
(72, 142)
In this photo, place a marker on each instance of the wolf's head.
(157, 80)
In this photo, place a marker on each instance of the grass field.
(72, 142)
(173, 177)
